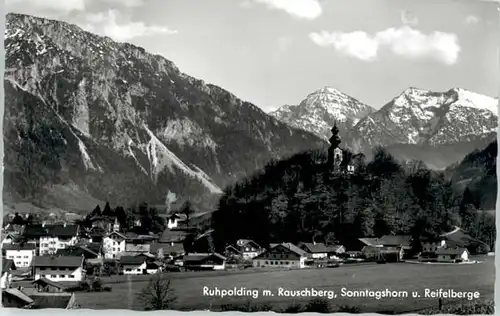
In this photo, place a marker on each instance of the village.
(53, 260)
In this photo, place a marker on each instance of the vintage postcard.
(288, 156)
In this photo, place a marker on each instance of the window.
(71, 276)
(267, 262)
(18, 257)
(128, 270)
(62, 276)
(287, 262)
(26, 257)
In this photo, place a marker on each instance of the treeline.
(298, 199)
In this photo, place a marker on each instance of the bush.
(293, 309)
(97, 285)
(477, 308)
(348, 309)
(107, 289)
(317, 306)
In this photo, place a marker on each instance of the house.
(173, 236)
(113, 244)
(97, 234)
(106, 223)
(452, 255)
(174, 220)
(170, 250)
(136, 249)
(427, 256)
(391, 254)
(15, 298)
(372, 242)
(249, 249)
(47, 286)
(153, 267)
(78, 251)
(21, 254)
(63, 300)
(68, 268)
(6, 278)
(284, 255)
(320, 250)
(232, 252)
(403, 241)
(133, 265)
(204, 261)
(8, 238)
(50, 238)
(459, 238)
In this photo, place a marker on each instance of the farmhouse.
(452, 254)
(402, 241)
(6, 278)
(113, 244)
(15, 298)
(59, 268)
(47, 286)
(107, 223)
(248, 248)
(390, 254)
(21, 254)
(320, 250)
(133, 264)
(169, 250)
(204, 261)
(284, 255)
(50, 238)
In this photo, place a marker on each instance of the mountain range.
(439, 128)
(89, 117)
(89, 120)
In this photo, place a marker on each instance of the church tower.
(334, 152)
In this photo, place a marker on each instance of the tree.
(107, 210)
(188, 210)
(157, 295)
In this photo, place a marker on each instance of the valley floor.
(398, 276)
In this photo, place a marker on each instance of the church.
(339, 160)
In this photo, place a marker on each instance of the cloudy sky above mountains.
(275, 52)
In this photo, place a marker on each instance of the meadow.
(398, 276)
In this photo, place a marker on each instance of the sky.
(276, 52)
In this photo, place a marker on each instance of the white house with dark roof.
(320, 250)
(21, 254)
(284, 255)
(113, 245)
(133, 265)
(452, 255)
(50, 238)
(249, 249)
(59, 269)
(204, 261)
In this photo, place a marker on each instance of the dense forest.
(298, 199)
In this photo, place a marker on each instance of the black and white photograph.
(287, 156)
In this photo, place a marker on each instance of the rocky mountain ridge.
(416, 118)
(121, 124)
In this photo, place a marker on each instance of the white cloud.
(65, 6)
(302, 9)
(405, 42)
(107, 24)
(127, 3)
(472, 19)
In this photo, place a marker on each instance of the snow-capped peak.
(476, 100)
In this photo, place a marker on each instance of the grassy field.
(398, 276)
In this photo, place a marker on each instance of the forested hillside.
(298, 200)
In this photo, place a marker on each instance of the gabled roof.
(244, 242)
(52, 300)
(18, 247)
(7, 265)
(117, 234)
(319, 247)
(370, 241)
(65, 261)
(291, 247)
(20, 295)
(59, 230)
(132, 260)
(167, 248)
(232, 248)
(395, 240)
(44, 281)
(173, 236)
(76, 251)
(137, 248)
(202, 256)
(451, 251)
